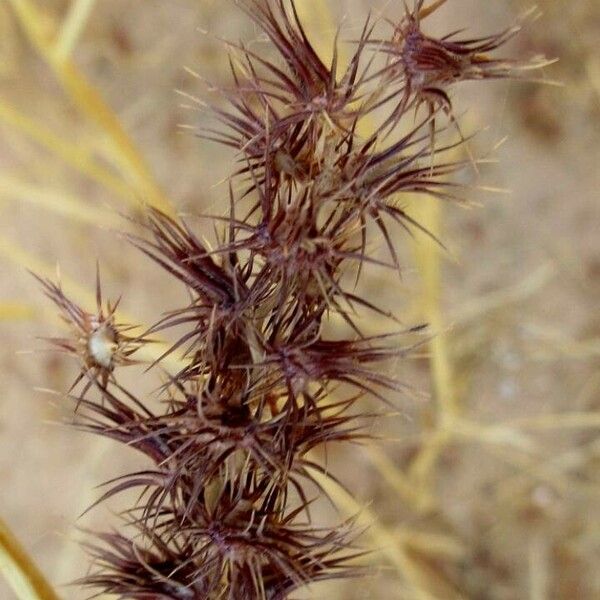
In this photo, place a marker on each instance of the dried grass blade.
(65, 150)
(386, 542)
(16, 311)
(73, 26)
(56, 201)
(20, 571)
(41, 33)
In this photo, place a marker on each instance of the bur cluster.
(325, 158)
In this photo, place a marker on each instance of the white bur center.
(102, 346)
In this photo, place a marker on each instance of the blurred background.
(486, 488)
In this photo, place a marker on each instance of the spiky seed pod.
(280, 116)
(97, 340)
(257, 556)
(426, 66)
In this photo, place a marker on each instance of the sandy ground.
(514, 510)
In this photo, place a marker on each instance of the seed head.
(97, 340)
(224, 506)
(427, 66)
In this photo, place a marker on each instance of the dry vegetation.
(486, 489)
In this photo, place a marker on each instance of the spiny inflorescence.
(224, 508)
